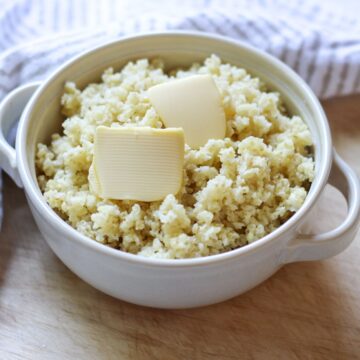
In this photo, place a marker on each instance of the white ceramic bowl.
(188, 282)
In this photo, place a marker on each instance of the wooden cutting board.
(305, 311)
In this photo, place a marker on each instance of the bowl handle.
(11, 109)
(322, 246)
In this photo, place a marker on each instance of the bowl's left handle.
(11, 109)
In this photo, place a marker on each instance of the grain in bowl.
(235, 190)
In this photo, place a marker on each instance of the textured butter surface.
(137, 163)
(193, 103)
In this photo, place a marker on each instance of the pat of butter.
(193, 103)
(137, 163)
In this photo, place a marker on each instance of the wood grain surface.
(305, 311)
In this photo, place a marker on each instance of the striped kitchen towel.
(319, 39)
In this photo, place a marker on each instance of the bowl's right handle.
(322, 246)
(11, 109)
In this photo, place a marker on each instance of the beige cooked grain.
(236, 190)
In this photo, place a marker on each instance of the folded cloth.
(319, 39)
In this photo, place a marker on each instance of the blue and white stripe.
(320, 42)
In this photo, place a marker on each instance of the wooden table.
(306, 311)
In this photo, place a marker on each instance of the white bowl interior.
(177, 50)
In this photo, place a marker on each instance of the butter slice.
(193, 103)
(137, 163)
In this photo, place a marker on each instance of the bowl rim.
(55, 221)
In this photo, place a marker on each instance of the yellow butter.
(192, 103)
(93, 180)
(137, 163)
